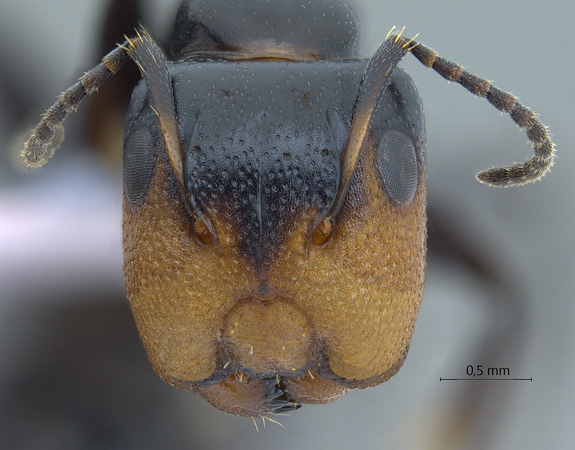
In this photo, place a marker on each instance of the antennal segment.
(373, 85)
(517, 174)
(152, 64)
(48, 135)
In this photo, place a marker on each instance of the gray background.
(60, 245)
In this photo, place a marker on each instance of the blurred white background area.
(72, 371)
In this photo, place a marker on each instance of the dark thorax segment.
(252, 29)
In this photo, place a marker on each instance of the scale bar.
(486, 379)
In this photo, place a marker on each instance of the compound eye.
(139, 161)
(396, 164)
